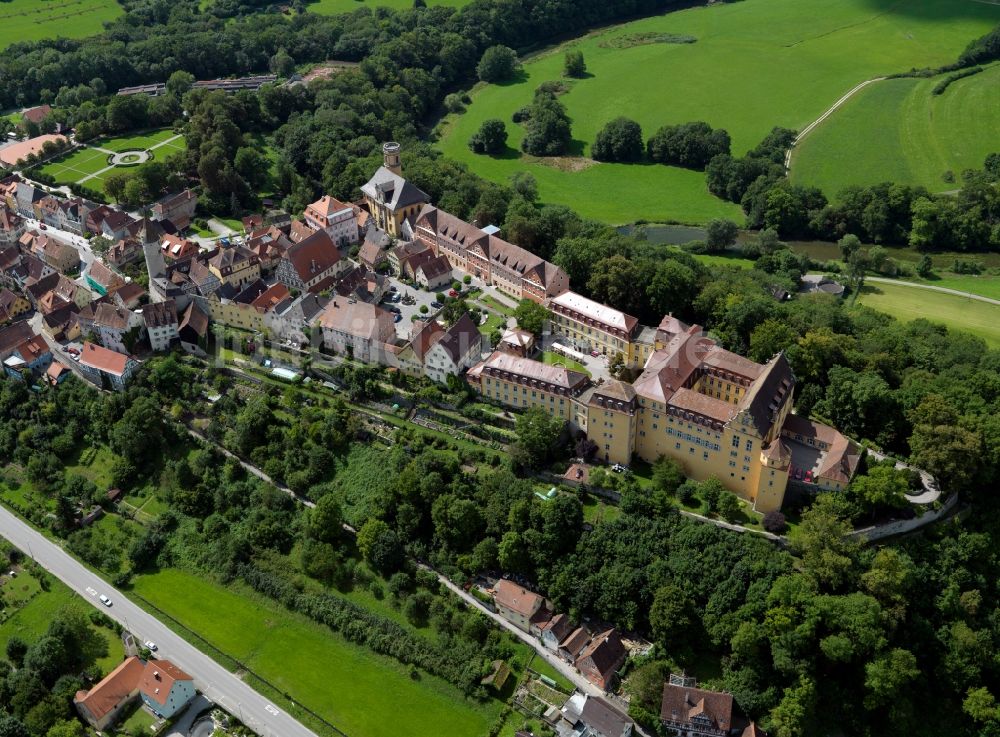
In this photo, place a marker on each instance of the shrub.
(691, 145)
(491, 138)
(619, 140)
(498, 64)
(453, 103)
(774, 522)
(573, 64)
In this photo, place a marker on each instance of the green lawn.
(897, 130)
(32, 20)
(93, 464)
(363, 694)
(756, 64)
(332, 7)
(139, 142)
(956, 313)
(555, 359)
(985, 286)
(91, 159)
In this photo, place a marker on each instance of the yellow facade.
(614, 433)
(522, 397)
(236, 315)
(593, 337)
(241, 275)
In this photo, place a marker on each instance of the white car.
(105, 600)
(150, 645)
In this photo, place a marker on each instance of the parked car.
(452, 293)
(809, 477)
(150, 645)
(392, 287)
(595, 354)
(619, 468)
(105, 600)
(436, 305)
(397, 317)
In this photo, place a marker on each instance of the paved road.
(217, 683)
(945, 290)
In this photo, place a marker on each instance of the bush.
(967, 266)
(691, 145)
(574, 65)
(453, 103)
(547, 127)
(491, 138)
(498, 64)
(619, 140)
(774, 522)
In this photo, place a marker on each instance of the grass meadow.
(954, 312)
(897, 130)
(364, 694)
(32, 20)
(754, 65)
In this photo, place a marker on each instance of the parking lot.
(408, 312)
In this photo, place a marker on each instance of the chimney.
(390, 157)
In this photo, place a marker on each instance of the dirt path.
(943, 290)
(830, 111)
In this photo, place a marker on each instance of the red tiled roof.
(114, 688)
(517, 598)
(100, 358)
(682, 703)
(158, 678)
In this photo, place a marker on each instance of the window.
(749, 445)
(736, 441)
(677, 446)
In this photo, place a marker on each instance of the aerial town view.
(500, 368)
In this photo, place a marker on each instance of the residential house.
(269, 244)
(115, 328)
(292, 318)
(400, 254)
(509, 268)
(411, 262)
(14, 335)
(252, 222)
(299, 231)
(235, 265)
(390, 199)
(600, 660)
(57, 373)
(201, 279)
(312, 264)
(364, 284)
(124, 251)
(687, 711)
(356, 329)
(193, 330)
(32, 355)
(70, 291)
(375, 249)
(129, 296)
(11, 226)
(175, 248)
(100, 364)
(165, 689)
(517, 342)
(236, 308)
(524, 609)
(62, 323)
(423, 334)
(177, 208)
(458, 348)
(12, 305)
(162, 686)
(555, 631)
(270, 298)
(101, 706)
(36, 115)
(160, 321)
(587, 716)
(60, 256)
(339, 220)
(102, 279)
(114, 225)
(574, 643)
(25, 197)
(434, 274)
(36, 290)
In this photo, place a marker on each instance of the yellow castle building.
(717, 413)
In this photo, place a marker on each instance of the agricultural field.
(364, 694)
(32, 20)
(332, 7)
(751, 66)
(898, 130)
(956, 313)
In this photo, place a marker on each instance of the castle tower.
(390, 156)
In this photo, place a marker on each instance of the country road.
(217, 683)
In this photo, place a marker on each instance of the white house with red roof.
(338, 219)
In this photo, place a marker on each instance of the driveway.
(185, 726)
